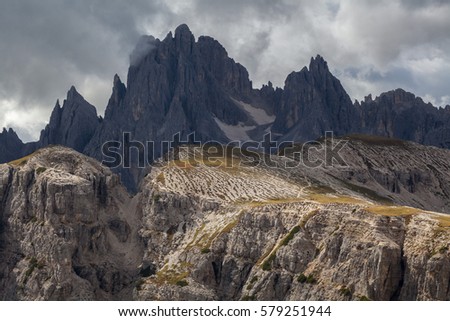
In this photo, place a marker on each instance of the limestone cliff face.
(66, 230)
(227, 234)
(337, 252)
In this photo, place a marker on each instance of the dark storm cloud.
(47, 46)
(372, 46)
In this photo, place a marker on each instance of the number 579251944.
(294, 311)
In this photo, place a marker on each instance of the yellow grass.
(306, 217)
(327, 199)
(194, 239)
(171, 274)
(206, 240)
(161, 178)
(21, 161)
(392, 210)
(272, 201)
(444, 220)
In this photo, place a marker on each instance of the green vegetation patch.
(311, 279)
(307, 217)
(267, 264)
(345, 291)
(182, 283)
(301, 278)
(290, 236)
(40, 170)
(32, 265)
(172, 274)
(139, 284)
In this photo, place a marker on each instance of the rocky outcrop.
(68, 230)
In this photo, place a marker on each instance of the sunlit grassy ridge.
(393, 210)
(22, 161)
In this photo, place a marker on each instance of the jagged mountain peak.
(118, 94)
(5, 131)
(71, 125)
(10, 132)
(116, 79)
(183, 31)
(73, 94)
(119, 88)
(317, 71)
(398, 96)
(168, 37)
(10, 145)
(184, 39)
(314, 101)
(57, 104)
(318, 63)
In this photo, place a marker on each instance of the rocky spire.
(184, 39)
(71, 125)
(318, 65)
(73, 94)
(118, 94)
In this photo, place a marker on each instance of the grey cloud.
(144, 45)
(47, 46)
(419, 4)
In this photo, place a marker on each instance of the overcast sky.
(371, 46)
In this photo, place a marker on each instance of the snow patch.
(259, 115)
(234, 132)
